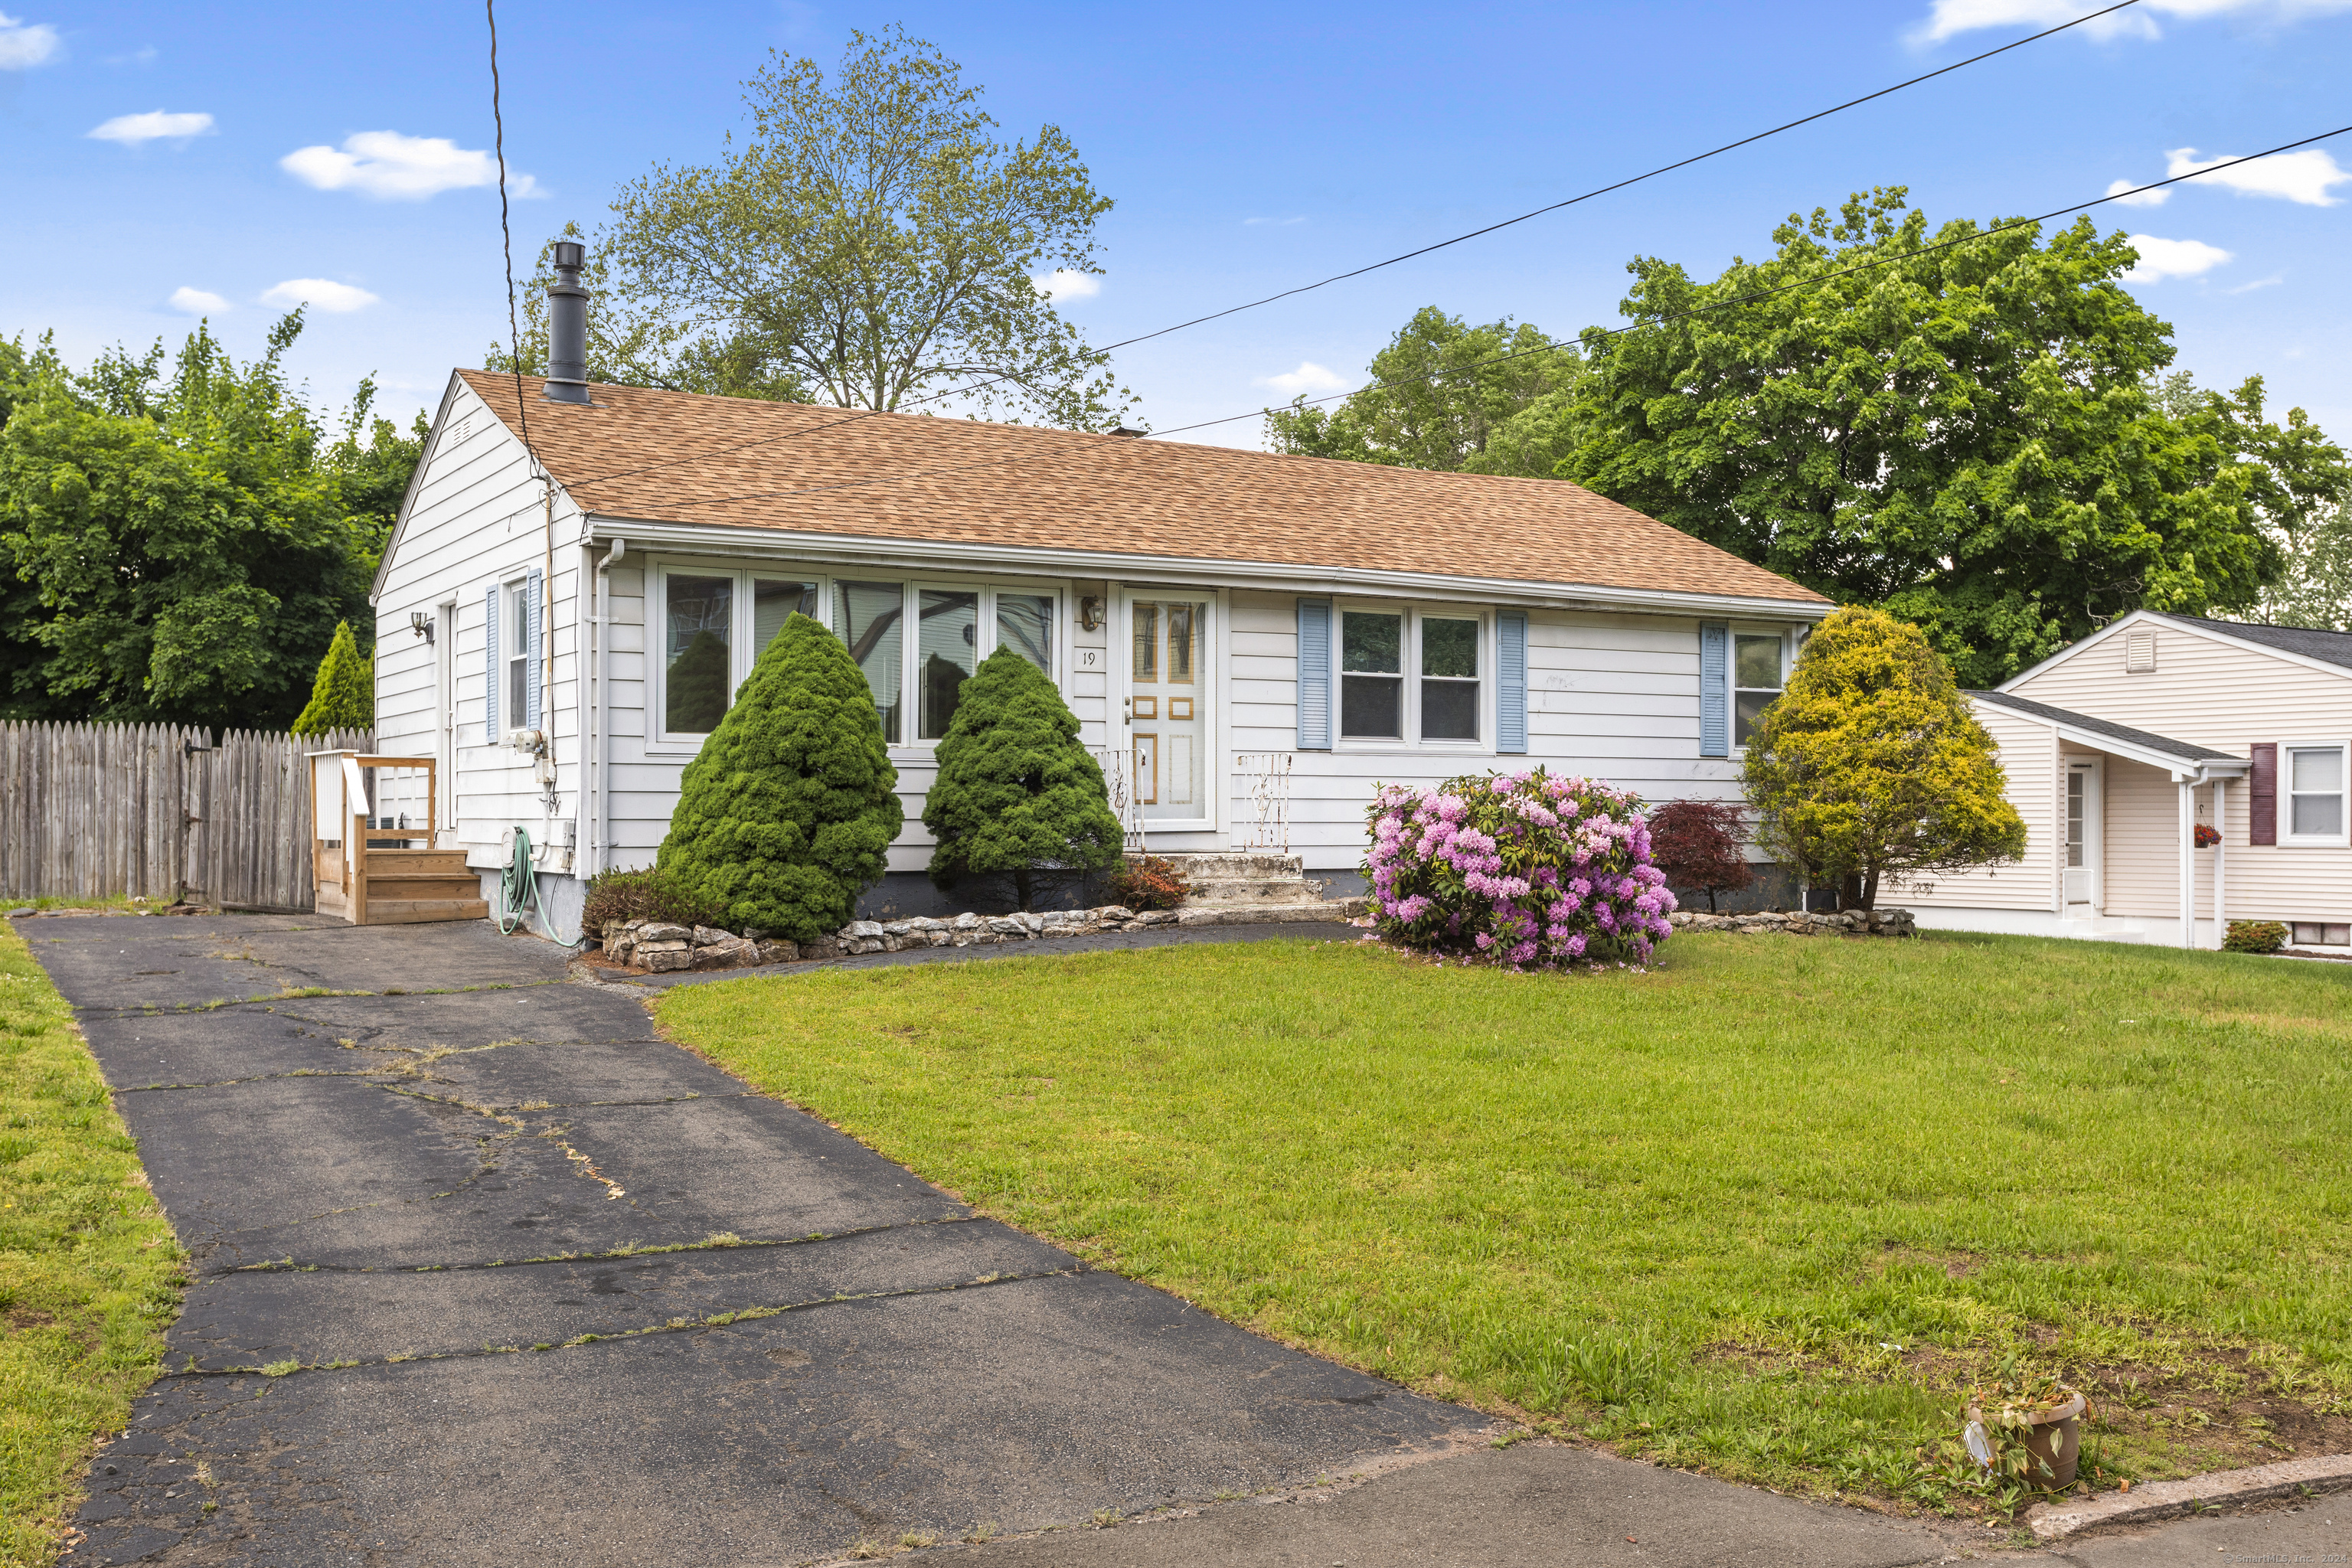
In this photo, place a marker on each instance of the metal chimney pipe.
(567, 327)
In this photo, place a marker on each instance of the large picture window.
(917, 643)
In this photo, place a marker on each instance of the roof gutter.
(1279, 576)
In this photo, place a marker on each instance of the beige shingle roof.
(675, 457)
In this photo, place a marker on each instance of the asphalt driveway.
(553, 1285)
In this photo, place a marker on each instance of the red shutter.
(2262, 794)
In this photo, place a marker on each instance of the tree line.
(1987, 440)
(183, 534)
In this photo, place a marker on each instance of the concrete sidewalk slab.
(1531, 1506)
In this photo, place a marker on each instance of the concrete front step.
(1238, 891)
(1198, 914)
(1205, 866)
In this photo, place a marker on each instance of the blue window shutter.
(1511, 681)
(1714, 689)
(537, 654)
(490, 673)
(1314, 675)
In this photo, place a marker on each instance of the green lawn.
(89, 1275)
(1762, 1212)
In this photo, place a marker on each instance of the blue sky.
(1248, 148)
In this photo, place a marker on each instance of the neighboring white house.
(2121, 746)
(1251, 641)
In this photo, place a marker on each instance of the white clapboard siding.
(2028, 751)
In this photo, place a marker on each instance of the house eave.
(1119, 566)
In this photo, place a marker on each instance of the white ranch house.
(1252, 642)
(2121, 746)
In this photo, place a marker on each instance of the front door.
(2081, 806)
(1168, 704)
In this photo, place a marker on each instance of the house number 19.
(1089, 658)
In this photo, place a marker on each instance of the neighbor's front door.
(2082, 830)
(1167, 709)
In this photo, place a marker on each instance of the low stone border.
(2163, 1499)
(657, 947)
(1795, 922)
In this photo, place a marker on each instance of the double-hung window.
(2315, 794)
(1756, 681)
(517, 655)
(1443, 700)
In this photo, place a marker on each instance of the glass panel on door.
(2082, 831)
(1168, 707)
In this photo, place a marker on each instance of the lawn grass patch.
(1765, 1211)
(89, 1273)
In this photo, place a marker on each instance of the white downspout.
(603, 764)
(2221, 848)
(2188, 855)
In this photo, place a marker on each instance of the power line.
(1553, 345)
(506, 238)
(1374, 266)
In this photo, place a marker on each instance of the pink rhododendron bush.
(1523, 869)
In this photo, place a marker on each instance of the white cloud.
(2303, 176)
(1308, 377)
(197, 301)
(2257, 283)
(323, 293)
(24, 45)
(1946, 17)
(2162, 259)
(1064, 284)
(136, 129)
(2144, 199)
(391, 167)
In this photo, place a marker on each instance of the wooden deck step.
(438, 862)
(413, 911)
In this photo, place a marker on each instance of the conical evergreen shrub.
(343, 697)
(1017, 797)
(787, 813)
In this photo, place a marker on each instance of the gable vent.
(2140, 652)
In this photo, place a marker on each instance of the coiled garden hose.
(518, 891)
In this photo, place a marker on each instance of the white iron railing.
(1264, 789)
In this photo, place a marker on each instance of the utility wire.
(1374, 266)
(506, 237)
(1556, 344)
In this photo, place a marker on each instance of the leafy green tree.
(787, 813)
(184, 537)
(343, 697)
(1017, 797)
(1870, 764)
(1441, 394)
(1969, 437)
(871, 240)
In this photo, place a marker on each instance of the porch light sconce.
(1090, 612)
(422, 625)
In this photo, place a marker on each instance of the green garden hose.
(518, 891)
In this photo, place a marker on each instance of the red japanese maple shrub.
(1697, 844)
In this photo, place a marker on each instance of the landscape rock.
(862, 930)
(664, 957)
(1009, 925)
(710, 936)
(771, 952)
(655, 931)
(728, 953)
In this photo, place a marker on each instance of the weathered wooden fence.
(94, 811)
